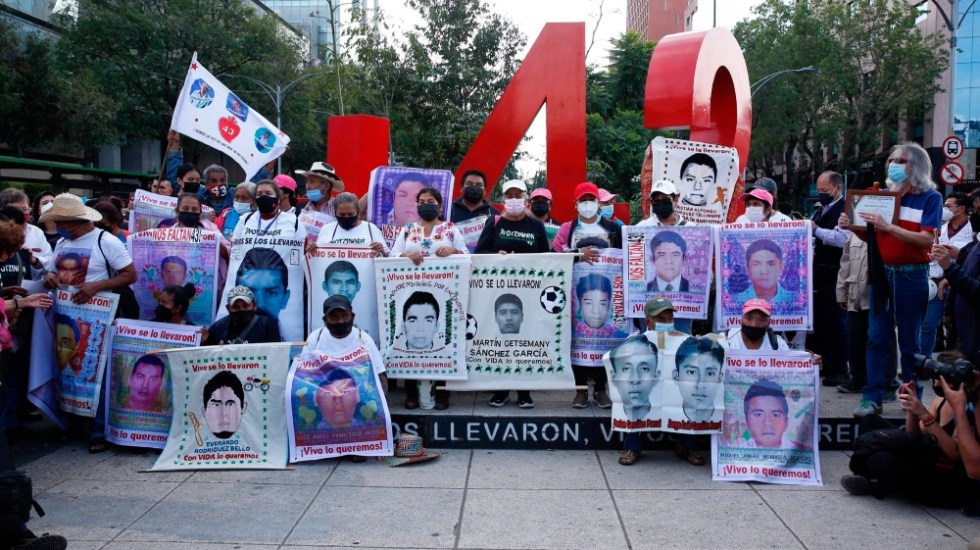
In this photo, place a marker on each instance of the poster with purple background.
(393, 194)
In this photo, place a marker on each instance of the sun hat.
(408, 449)
(324, 170)
(67, 207)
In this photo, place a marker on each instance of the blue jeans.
(905, 308)
(930, 324)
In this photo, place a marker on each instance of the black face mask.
(473, 194)
(347, 222)
(192, 186)
(162, 313)
(267, 204)
(540, 208)
(428, 212)
(662, 209)
(239, 318)
(189, 219)
(340, 330)
(754, 334)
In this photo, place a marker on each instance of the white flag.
(212, 114)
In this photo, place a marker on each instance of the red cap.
(285, 182)
(758, 193)
(541, 192)
(757, 304)
(586, 188)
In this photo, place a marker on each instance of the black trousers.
(597, 374)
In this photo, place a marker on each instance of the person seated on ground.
(244, 324)
(944, 469)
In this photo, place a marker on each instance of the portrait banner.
(392, 194)
(769, 260)
(174, 257)
(139, 393)
(42, 380)
(149, 209)
(666, 381)
(597, 303)
(314, 221)
(228, 408)
(336, 407)
(674, 262)
(517, 323)
(422, 316)
(471, 229)
(209, 112)
(769, 430)
(81, 347)
(346, 270)
(704, 174)
(269, 261)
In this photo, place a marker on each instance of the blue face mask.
(896, 172)
(665, 327)
(314, 195)
(607, 212)
(64, 233)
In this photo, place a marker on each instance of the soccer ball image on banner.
(553, 299)
(470, 327)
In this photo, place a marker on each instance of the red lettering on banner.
(635, 265)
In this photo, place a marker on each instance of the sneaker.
(44, 542)
(867, 407)
(857, 485)
(850, 386)
(890, 396)
(602, 399)
(525, 402)
(581, 400)
(499, 399)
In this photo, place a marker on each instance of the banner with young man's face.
(81, 343)
(597, 306)
(149, 209)
(347, 271)
(674, 262)
(705, 175)
(393, 192)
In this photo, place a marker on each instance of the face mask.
(239, 318)
(754, 334)
(162, 313)
(663, 209)
(219, 190)
(947, 215)
(315, 195)
(47, 207)
(192, 186)
(754, 213)
(540, 208)
(267, 203)
(340, 330)
(347, 222)
(896, 172)
(428, 212)
(189, 219)
(587, 209)
(825, 198)
(473, 194)
(242, 207)
(64, 233)
(664, 327)
(607, 212)
(514, 207)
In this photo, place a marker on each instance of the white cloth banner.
(149, 209)
(704, 174)
(348, 271)
(228, 408)
(518, 325)
(209, 112)
(769, 432)
(422, 313)
(81, 347)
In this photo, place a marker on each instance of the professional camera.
(955, 373)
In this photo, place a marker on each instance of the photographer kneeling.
(935, 460)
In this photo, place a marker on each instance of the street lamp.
(278, 95)
(770, 77)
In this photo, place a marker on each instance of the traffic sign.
(951, 173)
(953, 147)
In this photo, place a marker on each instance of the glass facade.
(966, 95)
(313, 18)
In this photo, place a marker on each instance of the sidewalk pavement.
(467, 498)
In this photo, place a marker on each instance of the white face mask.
(754, 213)
(243, 207)
(514, 207)
(588, 209)
(947, 215)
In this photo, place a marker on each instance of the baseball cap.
(586, 188)
(764, 183)
(606, 196)
(666, 187)
(336, 301)
(757, 304)
(285, 182)
(758, 193)
(656, 306)
(513, 184)
(542, 192)
(242, 293)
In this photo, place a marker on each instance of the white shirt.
(93, 263)
(776, 216)
(321, 340)
(735, 341)
(959, 239)
(363, 234)
(584, 230)
(654, 221)
(412, 238)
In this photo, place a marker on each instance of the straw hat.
(408, 449)
(67, 207)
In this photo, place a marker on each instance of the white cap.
(666, 187)
(514, 184)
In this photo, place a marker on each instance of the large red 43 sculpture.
(697, 80)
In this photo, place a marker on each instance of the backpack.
(16, 495)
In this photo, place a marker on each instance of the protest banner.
(228, 404)
(669, 261)
(174, 257)
(267, 257)
(392, 192)
(348, 271)
(314, 221)
(666, 381)
(42, 380)
(769, 432)
(704, 174)
(149, 209)
(80, 348)
(769, 260)
(597, 303)
(210, 113)
(336, 407)
(517, 323)
(422, 314)
(138, 386)
(470, 230)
